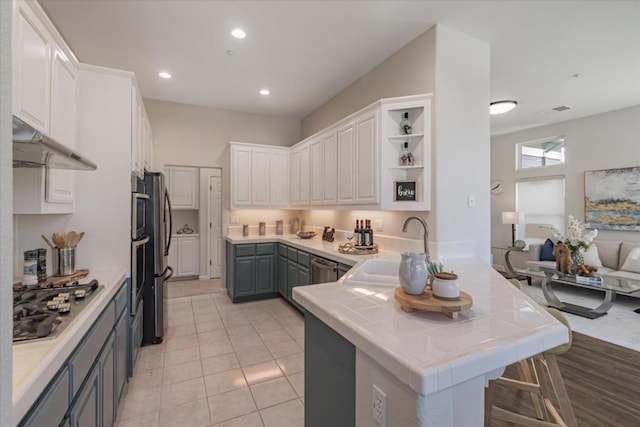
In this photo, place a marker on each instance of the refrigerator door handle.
(166, 196)
(166, 274)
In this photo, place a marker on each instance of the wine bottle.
(405, 124)
(404, 157)
(367, 233)
(356, 235)
(362, 233)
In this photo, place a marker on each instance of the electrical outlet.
(234, 220)
(471, 201)
(379, 406)
(379, 225)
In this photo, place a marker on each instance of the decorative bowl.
(306, 234)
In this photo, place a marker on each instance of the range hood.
(32, 149)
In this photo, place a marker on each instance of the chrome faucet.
(426, 232)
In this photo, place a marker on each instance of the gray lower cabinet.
(107, 364)
(52, 404)
(85, 412)
(136, 336)
(283, 264)
(122, 345)
(87, 389)
(253, 273)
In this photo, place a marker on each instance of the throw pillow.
(591, 256)
(632, 263)
(547, 251)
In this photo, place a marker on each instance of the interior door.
(215, 226)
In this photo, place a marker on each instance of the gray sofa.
(612, 255)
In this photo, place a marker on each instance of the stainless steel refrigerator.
(158, 226)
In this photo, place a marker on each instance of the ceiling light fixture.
(164, 75)
(264, 92)
(238, 33)
(501, 107)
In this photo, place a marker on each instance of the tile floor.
(220, 364)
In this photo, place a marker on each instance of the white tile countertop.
(430, 352)
(36, 363)
(317, 246)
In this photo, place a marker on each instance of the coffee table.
(609, 285)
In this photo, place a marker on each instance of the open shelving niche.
(392, 140)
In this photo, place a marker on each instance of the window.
(540, 153)
(542, 201)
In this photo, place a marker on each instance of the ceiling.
(544, 54)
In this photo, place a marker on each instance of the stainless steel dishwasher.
(323, 271)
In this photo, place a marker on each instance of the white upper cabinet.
(45, 96)
(346, 164)
(280, 178)
(366, 158)
(240, 177)
(304, 174)
(316, 164)
(63, 99)
(323, 163)
(32, 47)
(294, 174)
(259, 176)
(330, 181)
(183, 187)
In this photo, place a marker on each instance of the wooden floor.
(602, 380)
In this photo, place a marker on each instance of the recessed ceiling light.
(264, 92)
(164, 75)
(238, 33)
(501, 107)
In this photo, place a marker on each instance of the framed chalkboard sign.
(404, 191)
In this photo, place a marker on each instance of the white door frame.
(210, 223)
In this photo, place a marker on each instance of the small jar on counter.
(245, 230)
(262, 228)
(42, 264)
(279, 227)
(30, 269)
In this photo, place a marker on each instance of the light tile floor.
(220, 364)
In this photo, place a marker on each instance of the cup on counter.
(30, 268)
(245, 230)
(262, 228)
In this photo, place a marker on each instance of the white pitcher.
(413, 273)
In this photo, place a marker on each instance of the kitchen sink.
(375, 272)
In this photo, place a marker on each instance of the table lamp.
(512, 218)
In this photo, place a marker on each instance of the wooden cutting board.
(427, 302)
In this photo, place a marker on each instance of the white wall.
(190, 135)
(604, 141)
(6, 207)
(461, 134)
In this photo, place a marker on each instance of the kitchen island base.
(339, 380)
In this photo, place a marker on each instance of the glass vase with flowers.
(577, 238)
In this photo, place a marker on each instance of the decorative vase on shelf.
(578, 259)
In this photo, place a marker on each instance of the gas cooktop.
(44, 313)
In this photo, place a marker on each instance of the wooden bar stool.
(539, 376)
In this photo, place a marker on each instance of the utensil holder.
(64, 261)
(262, 228)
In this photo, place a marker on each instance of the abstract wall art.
(612, 199)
